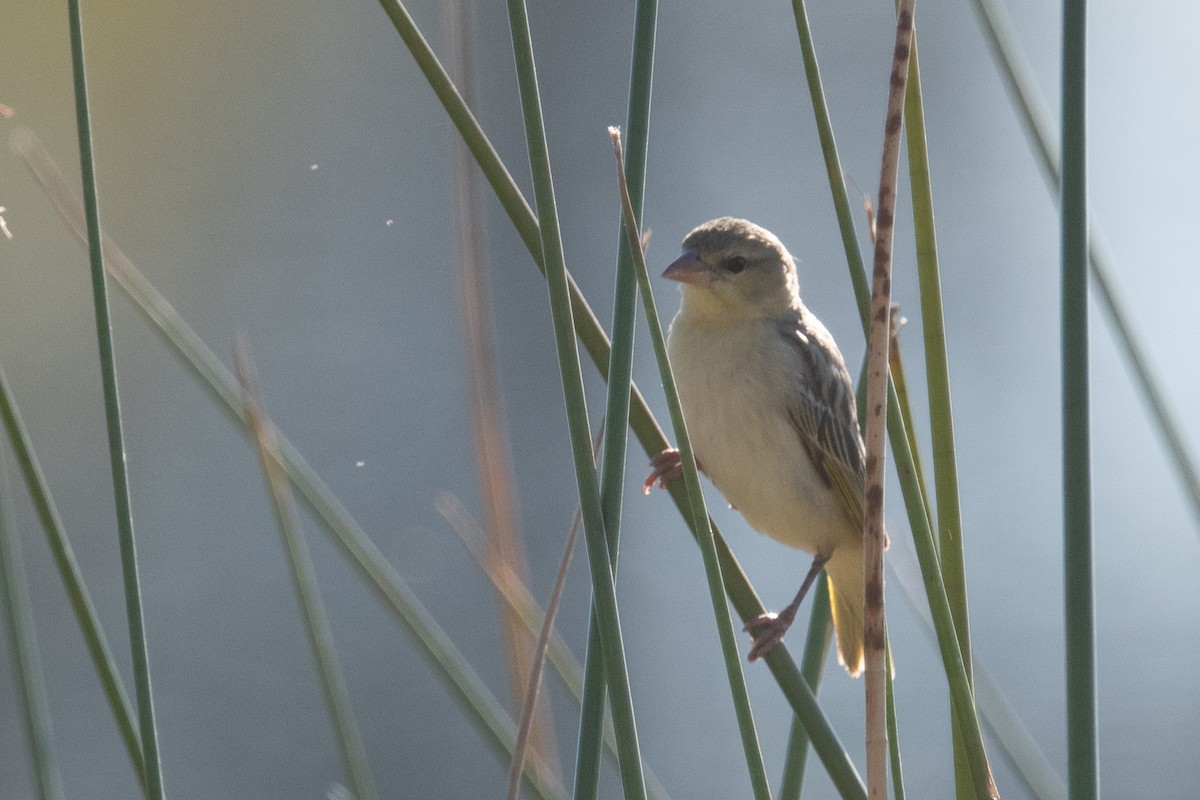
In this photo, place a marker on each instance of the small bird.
(770, 411)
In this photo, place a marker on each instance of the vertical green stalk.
(27, 664)
(603, 587)
(304, 578)
(696, 507)
(812, 662)
(620, 378)
(112, 407)
(937, 376)
(1082, 755)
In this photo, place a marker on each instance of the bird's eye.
(735, 264)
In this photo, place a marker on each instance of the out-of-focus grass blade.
(27, 662)
(525, 726)
(304, 577)
(72, 578)
(812, 663)
(497, 488)
(521, 600)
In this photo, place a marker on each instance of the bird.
(770, 412)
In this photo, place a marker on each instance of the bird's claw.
(768, 630)
(668, 465)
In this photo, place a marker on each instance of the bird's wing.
(821, 407)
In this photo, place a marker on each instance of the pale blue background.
(207, 120)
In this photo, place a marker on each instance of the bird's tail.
(845, 572)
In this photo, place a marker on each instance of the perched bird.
(770, 411)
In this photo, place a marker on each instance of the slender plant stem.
(27, 662)
(519, 598)
(304, 578)
(112, 407)
(961, 696)
(696, 506)
(525, 725)
(812, 664)
(833, 164)
(603, 587)
(1082, 755)
(72, 578)
(620, 379)
(937, 376)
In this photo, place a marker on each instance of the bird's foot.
(668, 465)
(768, 630)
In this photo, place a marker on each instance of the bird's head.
(733, 268)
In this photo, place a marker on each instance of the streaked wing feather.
(823, 412)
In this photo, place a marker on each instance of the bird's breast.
(734, 388)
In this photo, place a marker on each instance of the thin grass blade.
(812, 664)
(894, 731)
(72, 577)
(525, 726)
(620, 379)
(521, 600)
(497, 487)
(304, 578)
(699, 513)
(112, 415)
(937, 378)
(27, 662)
(599, 559)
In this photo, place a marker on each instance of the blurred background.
(282, 171)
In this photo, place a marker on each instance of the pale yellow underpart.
(735, 383)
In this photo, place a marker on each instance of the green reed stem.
(812, 666)
(112, 407)
(696, 505)
(604, 590)
(1078, 610)
(304, 579)
(620, 371)
(937, 376)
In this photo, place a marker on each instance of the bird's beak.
(688, 268)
